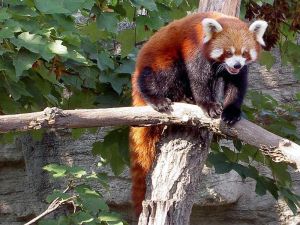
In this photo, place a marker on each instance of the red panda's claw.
(162, 105)
(231, 115)
(214, 109)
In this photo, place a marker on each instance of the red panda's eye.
(229, 53)
(245, 54)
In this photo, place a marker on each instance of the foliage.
(88, 205)
(283, 30)
(277, 118)
(114, 149)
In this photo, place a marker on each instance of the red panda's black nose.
(237, 66)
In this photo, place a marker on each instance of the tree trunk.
(181, 154)
(175, 176)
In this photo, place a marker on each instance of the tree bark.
(228, 7)
(176, 173)
(175, 176)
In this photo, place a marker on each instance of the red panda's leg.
(155, 86)
(201, 82)
(235, 91)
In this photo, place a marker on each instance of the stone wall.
(222, 199)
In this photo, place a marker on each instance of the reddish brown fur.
(231, 36)
(159, 53)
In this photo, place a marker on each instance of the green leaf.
(46, 74)
(62, 6)
(280, 172)
(8, 69)
(298, 96)
(267, 59)
(37, 135)
(57, 194)
(82, 218)
(126, 67)
(177, 2)
(86, 190)
(71, 38)
(17, 90)
(238, 144)
(292, 206)
(269, 1)
(8, 138)
(34, 43)
(143, 32)
(112, 2)
(47, 222)
(80, 99)
(114, 149)
(56, 47)
(219, 161)
(232, 156)
(56, 170)
(127, 41)
(251, 152)
(109, 217)
(104, 61)
(77, 133)
(108, 21)
(73, 81)
(49, 7)
(262, 101)
(93, 204)
(76, 171)
(6, 32)
(245, 171)
(94, 33)
(297, 71)
(4, 15)
(260, 188)
(7, 104)
(24, 61)
(89, 75)
(118, 82)
(148, 4)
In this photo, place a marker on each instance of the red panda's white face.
(233, 44)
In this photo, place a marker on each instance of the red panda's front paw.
(161, 104)
(231, 115)
(213, 109)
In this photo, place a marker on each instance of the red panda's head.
(232, 42)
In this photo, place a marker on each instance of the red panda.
(168, 70)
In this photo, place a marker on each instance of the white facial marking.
(234, 60)
(209, 27)
(253, 54)
(216, 53)
(232, 49)
(258, 28)
(243, 49)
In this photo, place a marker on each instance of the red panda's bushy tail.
(142, 146)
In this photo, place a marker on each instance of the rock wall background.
(222, 199)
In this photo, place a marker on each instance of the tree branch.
(56, 203)
(278, 148)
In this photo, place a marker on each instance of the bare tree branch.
(278, 148)
(55, 204)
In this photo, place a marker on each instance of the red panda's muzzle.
(232, 70)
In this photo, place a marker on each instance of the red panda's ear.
(210, 26)
(258, 28)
